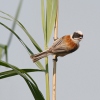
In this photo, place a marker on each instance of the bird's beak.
(81, 38)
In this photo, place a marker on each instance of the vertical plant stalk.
(47, 78)
(55, 57)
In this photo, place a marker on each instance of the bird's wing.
(58, 46)
(57, 42)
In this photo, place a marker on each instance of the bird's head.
(77, 36)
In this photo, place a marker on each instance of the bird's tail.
(39, 56)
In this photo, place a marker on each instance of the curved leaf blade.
(24, 29)
(11, 73)
(29, 51)
(31, 83)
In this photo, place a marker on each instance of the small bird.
(61, 47)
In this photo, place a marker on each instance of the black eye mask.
(77, 35)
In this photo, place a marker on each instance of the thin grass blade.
(48, 19)
(14, 22)
(43, 16)
(52, 19)
(30, 37)
(49, 14)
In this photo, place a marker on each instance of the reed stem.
(55, 58)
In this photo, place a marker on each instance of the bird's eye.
(82, 36)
